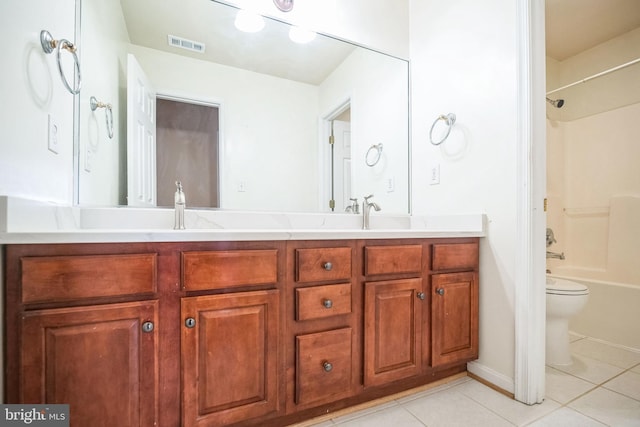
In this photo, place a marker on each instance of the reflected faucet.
(366, 207)
(354, 207)
(555, 255)
(179, 205)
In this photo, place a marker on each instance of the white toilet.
(564, 299)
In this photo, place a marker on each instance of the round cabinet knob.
(421, 295)
(440, 291)
(190, 322)
(327, 303)
(327, 266)
(327, 366)
(147, 327)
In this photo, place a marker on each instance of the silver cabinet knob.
(440, 291)
(421, 295)
(327, 266)
(147, 327)
(190, 322)
(327, 303)
(327, 366)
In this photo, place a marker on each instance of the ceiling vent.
(186, 44)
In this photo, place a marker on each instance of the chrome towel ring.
(449, 120)
(108, 112)
(376, 149)
(48, 44)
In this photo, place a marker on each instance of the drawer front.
(318, 264)
(67, 278)
(392, 259)
(323, 365)
(323, 301)
(454, 256)
(227, 269)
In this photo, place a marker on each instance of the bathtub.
(612, 313)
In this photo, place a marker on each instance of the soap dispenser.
(180, 202)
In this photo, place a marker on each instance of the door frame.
(324, 153)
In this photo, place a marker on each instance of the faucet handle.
(366, 198)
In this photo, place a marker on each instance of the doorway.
(187, 151)
(337, 168)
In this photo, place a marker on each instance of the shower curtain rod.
(586, 79)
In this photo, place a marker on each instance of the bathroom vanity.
(222, 332)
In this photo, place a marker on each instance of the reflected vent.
(186, 44)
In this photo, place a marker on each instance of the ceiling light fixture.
(284, 5)
(301, 35)
(249, 22)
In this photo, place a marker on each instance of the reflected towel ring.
(377, 154)
(95, 104)
(449, 119)
(48, 44)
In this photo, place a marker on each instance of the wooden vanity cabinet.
(454, 312)
(81, 329)
(322, 338)
(234, 333)
(230, 335)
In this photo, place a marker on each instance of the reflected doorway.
(187, 151)
(338, 184)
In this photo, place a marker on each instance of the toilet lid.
(566, 287)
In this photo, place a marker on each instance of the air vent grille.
(186, 44)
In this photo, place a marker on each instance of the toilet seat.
(564, 287)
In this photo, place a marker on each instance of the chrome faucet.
(179, 204)
(366, 207)
(354, 207)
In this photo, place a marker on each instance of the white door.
(342, 164)
(141, 137)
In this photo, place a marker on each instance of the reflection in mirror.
(276, 105)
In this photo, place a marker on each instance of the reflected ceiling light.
(301, 35)
(249, 22)
(284, 5)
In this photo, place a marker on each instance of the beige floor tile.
(615, 356)
(636, 369)
(451, 408)
(627, 384)
(516, 412)
(397, 416)
(566, 417)
(563, 387)
(365, 412)
(589, 369)
(609, 407)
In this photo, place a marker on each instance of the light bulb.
(249, 22)
(301, 35)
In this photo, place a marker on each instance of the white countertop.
(26, 221)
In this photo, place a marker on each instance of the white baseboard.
(496, 378)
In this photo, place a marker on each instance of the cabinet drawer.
(318, 264)
(323, 365)
(454, 256)
(224, 269)
(323, 301)
(392, 259)
(66, 278)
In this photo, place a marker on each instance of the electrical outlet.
(434, 174)
(52, 132)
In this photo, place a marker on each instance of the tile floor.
(601, 388)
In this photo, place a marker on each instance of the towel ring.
(377, 154)
(48, 44)
(108, 113)
(449, 119)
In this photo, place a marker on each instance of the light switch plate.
(52, 134)
(434, 174)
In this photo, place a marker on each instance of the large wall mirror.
(173, 90)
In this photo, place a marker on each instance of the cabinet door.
(101, 360)
(229, 357)
(454, 317)
(393, 318)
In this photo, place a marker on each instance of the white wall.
(463, 61)
(31, 89)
